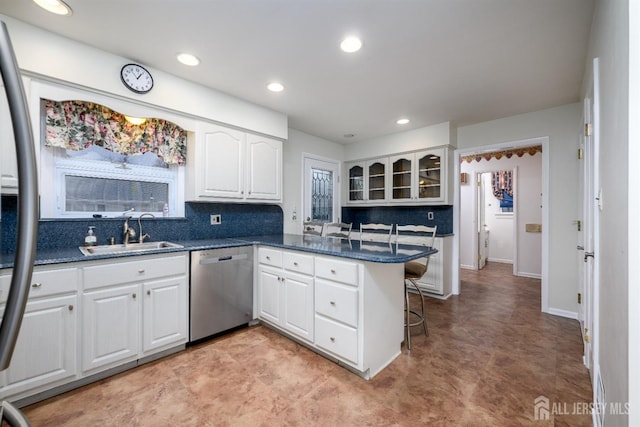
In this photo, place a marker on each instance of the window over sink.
(94, 160)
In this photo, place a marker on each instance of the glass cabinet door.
(401, 179)
(356, 183)
(429, 176)
(376, 181)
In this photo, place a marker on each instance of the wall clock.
(136, 78)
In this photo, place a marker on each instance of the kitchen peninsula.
(341, 298)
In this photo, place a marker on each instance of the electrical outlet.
(216, 219)
(430, 216)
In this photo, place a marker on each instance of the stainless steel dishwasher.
(221, 290)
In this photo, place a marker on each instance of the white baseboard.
(501, 261)
(563, 313)
(436, 296)
(467, 267)
(529, 275)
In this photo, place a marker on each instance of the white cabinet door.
(269, 288)
(430, 175)
(8, 164)
(220, 162)
(164, 313)
(432, 281)
(264, 157)
(45, 352)
(110, 326)
(297, 316)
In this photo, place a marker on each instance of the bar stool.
(312, 228)
(413, 270)
(338, 229)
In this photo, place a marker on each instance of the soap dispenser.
(90, 239)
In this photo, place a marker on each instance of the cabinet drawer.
(337, 338)
(45, 282)
(138, 270)
(337, 271)
(337, 301)
(269, 256)
(298, 262)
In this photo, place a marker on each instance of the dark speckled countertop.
(354, 249)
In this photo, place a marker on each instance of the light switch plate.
(216, 219)
(430, 216)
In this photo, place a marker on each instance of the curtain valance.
(502, 182)
(76, 125)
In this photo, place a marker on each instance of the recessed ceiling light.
(188, 59)
(275, 87)
(351, 44)
(54, 6)
(402, 121)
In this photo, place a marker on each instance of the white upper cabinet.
(9, 165)
(265, 168)
(232, 165)
(407, 178)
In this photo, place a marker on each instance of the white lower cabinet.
(286, 296)
(45, 352)
(133, 309)
(437, 280)
(110, 327)
(349, 310)
(164, 311)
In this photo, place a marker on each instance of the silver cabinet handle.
(333, 271)
(332, 339)
(134, 295)
(295, 263)
(268, 257)
(36, 285)
(70, 308)
(149, 293)
(332, 303)
(141, 271)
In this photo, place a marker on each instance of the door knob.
(587, 255)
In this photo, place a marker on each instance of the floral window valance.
(77, 125)
(502, 183)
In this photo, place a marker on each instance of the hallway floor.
(489, 355)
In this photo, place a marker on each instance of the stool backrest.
(338, 229)
(312, 228)
(376, 232)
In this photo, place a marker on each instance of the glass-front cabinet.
(418, 177)
(356, 182)
(377, 178)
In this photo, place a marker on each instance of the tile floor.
(490, 353)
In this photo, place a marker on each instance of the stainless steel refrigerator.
(27, 227)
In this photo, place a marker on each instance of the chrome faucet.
(127, 231)
(145, 235)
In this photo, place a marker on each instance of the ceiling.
(463, 61)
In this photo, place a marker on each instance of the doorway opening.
(530, 211)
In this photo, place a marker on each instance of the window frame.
(49, 160)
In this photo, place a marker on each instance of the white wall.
(417, 139)
(609, 42)
(41, 53)
(298, 144)
(527, 197)
(562, 126)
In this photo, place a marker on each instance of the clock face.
(136, 78)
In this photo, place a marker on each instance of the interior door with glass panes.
(321, 190)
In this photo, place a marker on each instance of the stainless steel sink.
(123, 249)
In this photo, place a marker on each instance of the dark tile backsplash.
(238, 220)
(403, 215)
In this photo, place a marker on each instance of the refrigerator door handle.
(27, 200)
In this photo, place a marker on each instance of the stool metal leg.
(407, 310)
(421, 315)
(424, 316)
